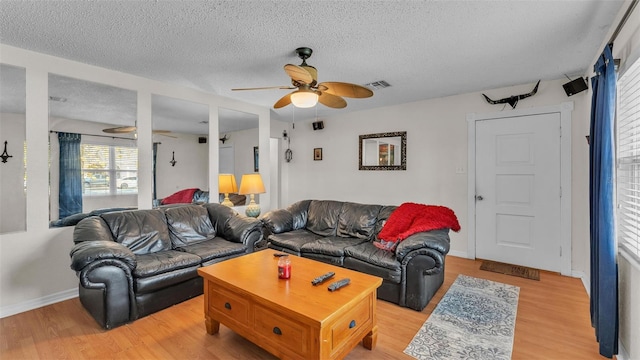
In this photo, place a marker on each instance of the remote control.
(280, 254)
(322, 278)
(338, 284)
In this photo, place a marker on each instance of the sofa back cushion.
(189, 224)
(357, 220)
(142, 231)
(383, 215)
(299, 214)
(323, 217)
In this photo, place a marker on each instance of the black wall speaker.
(202, 140)
(575, 86)
(318, 125)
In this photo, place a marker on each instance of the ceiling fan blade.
(298, 74)
(284, 101)
(345, 89)
(120, 130)
(266, 88)
(167, 135)
(332, 101)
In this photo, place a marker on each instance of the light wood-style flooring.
(552, 323)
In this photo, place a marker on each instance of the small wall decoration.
(5, 156)
(513, 100)
(317, 154)
(256, 168)
(173, 159)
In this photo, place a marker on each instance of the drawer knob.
(352, 324)
(227, 306)
(277, 331)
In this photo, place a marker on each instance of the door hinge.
(560, 191)
(560, 131)
(560, 251)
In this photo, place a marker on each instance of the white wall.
(13, 199)
(34, 264)
(192, 164)
(436, 146)
(243, 142)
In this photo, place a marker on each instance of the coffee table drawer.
(282, 331)
(229, 305)
(351, 323)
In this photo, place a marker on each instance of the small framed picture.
(256, 161)
(317, 154)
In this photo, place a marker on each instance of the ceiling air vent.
(381, 84)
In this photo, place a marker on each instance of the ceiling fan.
(309, 92)
(130, 129)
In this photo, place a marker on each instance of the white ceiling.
(424, 49)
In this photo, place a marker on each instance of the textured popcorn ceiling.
(424, 49)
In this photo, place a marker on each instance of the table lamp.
(227, 184)
(249, 185)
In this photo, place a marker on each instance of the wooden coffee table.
(291, 318)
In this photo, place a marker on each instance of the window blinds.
(628, 171)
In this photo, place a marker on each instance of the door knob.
(479, 197)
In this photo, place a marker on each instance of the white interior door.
(227, 162)
(518, 190)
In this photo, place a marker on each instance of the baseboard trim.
(622, 352)
(37, 303)
(583, 277)
(460, 254)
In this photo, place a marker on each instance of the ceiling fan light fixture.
(304, 98)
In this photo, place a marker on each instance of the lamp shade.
(304, 98)
(251, 184)
(227, 183)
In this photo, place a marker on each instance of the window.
(109, 170)
(628, 172)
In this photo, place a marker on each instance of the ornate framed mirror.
(383, 151)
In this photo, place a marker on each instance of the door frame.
(565, 110)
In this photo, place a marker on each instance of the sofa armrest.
(245, 230)
(437, 240)
(88, 252)
(92, 228)
(106, 291)
(278, 221)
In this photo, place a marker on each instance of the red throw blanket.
(411, 218)
(180, 197)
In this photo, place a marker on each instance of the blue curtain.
(604, 269)
(70, 194)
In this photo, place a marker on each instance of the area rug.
(474, 320)
(510, 269)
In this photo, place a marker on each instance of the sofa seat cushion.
(367, 258)
(388, 275)
(214, 248)
(161, 281)
(330, 245)
(370, 253)
(293, 240)
(162, 262)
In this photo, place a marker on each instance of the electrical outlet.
(460, 170)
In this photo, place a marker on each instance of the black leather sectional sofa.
(133, 263)
(343, 234)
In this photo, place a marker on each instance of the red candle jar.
(284, 267)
